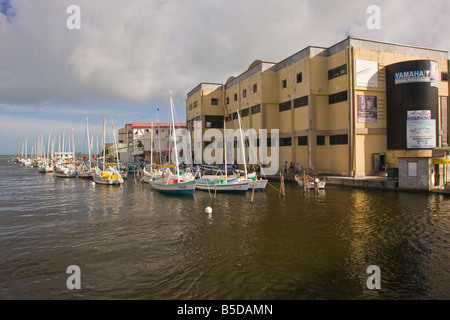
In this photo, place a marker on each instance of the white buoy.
(93, 183)
(208, 210)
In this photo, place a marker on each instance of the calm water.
(133, 243)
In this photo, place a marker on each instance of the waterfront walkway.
(373, 182)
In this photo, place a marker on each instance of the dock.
(368, 182)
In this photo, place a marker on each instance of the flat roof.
(154, 124)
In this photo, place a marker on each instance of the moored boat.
(310, 182)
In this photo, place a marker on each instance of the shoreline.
(368, 182)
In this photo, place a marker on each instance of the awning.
(441, 161)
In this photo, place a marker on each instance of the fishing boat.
(169, 183)
(310, 181)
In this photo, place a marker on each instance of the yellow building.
(331, 105)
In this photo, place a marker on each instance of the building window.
(228, 100)
(412, 169)
(245, 112)
(301, 102)
(285, 142)
(285, 106)
(256, 109)
(228, 118)
(299, 77)
(214, 101)
(235, 97)
(255, 88)
(235, 115)
(284, 83)
(337, 97)
(444, 76)
(337, 72)
(303, 141)
(214, 122)
(190, 107)
(195, 104)
(339, 139)
(244, 93)
(320, 140)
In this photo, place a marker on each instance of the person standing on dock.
(285, 167)
(299, 168)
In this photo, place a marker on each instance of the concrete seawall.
(371, 182)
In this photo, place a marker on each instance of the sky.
(127, 55)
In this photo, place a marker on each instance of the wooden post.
(254, 187)
(281, 184)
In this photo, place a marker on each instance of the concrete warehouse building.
(352, 109)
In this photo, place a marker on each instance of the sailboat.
(253, 182)
(46, 166)
(149, 172)
(110, 175)
(65, 167)
(225, 183)
(85, 170)
(169, 183)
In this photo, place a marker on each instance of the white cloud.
(134, 52)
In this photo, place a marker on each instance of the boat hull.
(181, 188)
(310, 183)
(100, 180)
(231, 187)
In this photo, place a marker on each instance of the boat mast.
(104, 138)
(89, 142)
(242, 144)
(225, 150)
(174, 136)
(151, 147)
(63, 150)
(47, 159)
(159, 137)
(73, 146)
(115, 142)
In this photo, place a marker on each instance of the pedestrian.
(299, 168)
(285, 167)
(291, 167)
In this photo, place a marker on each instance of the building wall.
(277, 84)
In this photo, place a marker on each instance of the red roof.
(155, 124)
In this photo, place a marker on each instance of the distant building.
(352, 109)
(138, 138)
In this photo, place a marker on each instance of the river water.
(131, 242)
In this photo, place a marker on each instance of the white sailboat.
(65, 167)
(85, 170)
(253, 181)
(222, 184)
(110, 175)
(168, 183)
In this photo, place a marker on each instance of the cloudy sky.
(128, 54)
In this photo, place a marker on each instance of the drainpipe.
(351, 102)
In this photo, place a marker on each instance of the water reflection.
(133, 243)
